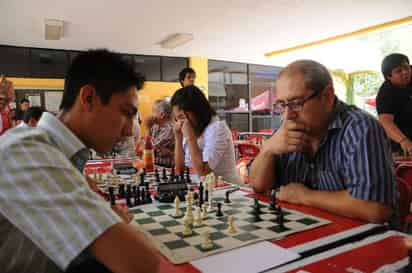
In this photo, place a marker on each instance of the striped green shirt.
(48, 213)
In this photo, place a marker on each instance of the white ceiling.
(236, 30)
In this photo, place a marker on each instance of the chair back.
(247, 150)
(405, 198)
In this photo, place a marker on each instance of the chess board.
(165, 230)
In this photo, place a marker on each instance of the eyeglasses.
(294, 105)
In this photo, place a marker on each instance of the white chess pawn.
(198, 220)
(189, 213)
(178, 212)
(187, 229)
(207, 243)
(204, 211)
(231, 229)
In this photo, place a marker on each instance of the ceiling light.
(176, 40)
(53, 29)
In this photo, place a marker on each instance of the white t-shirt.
(217, 149)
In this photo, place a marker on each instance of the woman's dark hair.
(191, 99)
(392, 61)
(107, 71)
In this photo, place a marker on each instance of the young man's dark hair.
(391, 61)
(106, 71)
(184, 72)
(24, 100)
(191, 99)
(34, 112)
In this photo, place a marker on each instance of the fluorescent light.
(176, 40)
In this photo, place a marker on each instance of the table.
(345, 243)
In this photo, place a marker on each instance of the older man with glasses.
(326, 154)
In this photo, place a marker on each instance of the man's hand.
(177, 127)
(292, 136)
(295, 193)
(123, 213)
(406, 145)
(188, 130)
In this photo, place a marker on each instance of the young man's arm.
(123, 249)
(387, 121)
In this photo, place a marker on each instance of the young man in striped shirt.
(50, 219)
(326, 154)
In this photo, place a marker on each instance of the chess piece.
(219, 212)
(280, 219)
(198, 220)
(164, 177)
(256, 206)
(200, 194)
(137, 196)
(121, 191)
(129, 196)
(204, 211)
(188, 178)
(148, 197)
(273, 200)
(112, 199)
(187, 229)
(206, 195)
(142, 178)
(157, 176)
(207, 243)
(227, 200)
(189, 211)
(231, 229)
(178, 212)
(210, 185)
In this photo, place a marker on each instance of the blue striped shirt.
(353, 156)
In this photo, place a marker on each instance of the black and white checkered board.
(165, 231)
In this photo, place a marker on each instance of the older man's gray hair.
(164, 107)
(315, 75)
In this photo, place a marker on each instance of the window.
(171, 66)
(148, 66)
(48, 63)
(15, 61)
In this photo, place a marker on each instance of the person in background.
(19, 113)
(159, 125)
(31, 117)
(202, 141)
(6, 97)
(50, 218)
(187, 77)
(394, 102)
(326, 154)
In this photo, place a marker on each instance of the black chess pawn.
(144, 171)
(148, 197)
(137, 199)
(172, 173)
(112, 198)
(188, 179)
(281, 218)
(182, 178)
(142, 176)
(273, 200)
(206, 195)
(142, 196)
(256, 207)
(129, 196)
(164, 176)
(201, 194)
(227, 200)
(121, 191)
(157, 176)
(219, 212)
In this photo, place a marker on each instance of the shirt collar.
(337, 119)
(64, 138)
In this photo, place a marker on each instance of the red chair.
(258, 139)
(247, 150)
(235, 134)
(405, 198)
(404, 171)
